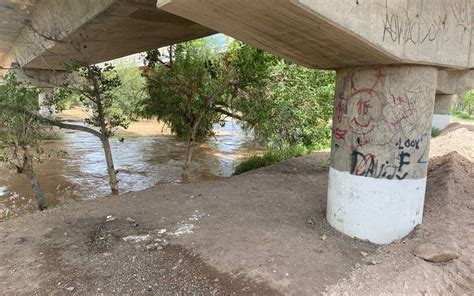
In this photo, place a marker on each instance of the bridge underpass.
(392, 58)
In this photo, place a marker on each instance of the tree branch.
(54, 122)
(230, 114)
(68, 126)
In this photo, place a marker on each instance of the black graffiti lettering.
(368, 166)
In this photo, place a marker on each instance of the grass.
(455, 118)
(435, 132)
(274, 156)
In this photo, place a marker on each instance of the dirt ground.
(260, 233)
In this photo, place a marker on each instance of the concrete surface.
(379, 155)
(442, 111)
(332, 34)
(105, 29)
(441, 121)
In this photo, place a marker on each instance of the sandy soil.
(142, 127)
(262, 233)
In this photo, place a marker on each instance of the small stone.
(372, 262)
(191, 197)
(435, 253)
(324, 237)
(311, 222)
(132, 222)
(110, 218)
(151, 247)
(161, 231)
(364, 254)
(137, 238)
(154, 247)
(70, 289)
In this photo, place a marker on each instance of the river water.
(143, 161)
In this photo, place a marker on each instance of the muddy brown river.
(142, 161)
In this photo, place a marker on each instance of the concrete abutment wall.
(442, 111)
(380, 147)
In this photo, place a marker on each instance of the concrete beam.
(333, 34)
(104, 29)
(455, 82)
(56, 19)
(44, 79)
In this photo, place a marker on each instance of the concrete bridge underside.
(392, 58)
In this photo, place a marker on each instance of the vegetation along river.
(143, 159)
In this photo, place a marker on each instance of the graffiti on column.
(369, 119)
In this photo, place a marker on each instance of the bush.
(274, 156)
(435, 132)
(463, 114)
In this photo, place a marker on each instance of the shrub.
(274, 156)
(435, 132)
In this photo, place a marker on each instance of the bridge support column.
(380, 147)
(442, 111)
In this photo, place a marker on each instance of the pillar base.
(441, 121)
(377, 210)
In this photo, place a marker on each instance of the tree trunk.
(189, 156)
(110, 165)
(28, 170)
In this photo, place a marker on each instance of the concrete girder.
(333, 34)
(455, 82)
(107, 29)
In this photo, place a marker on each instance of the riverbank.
(261, 232)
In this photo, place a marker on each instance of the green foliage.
(18, 129)
(284, 104)
(435, 132)
(464, 107)
(184, 91)
(271, 157)
(131, 92)
(97, 90)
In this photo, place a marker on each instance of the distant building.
(220, 41)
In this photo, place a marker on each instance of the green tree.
(467, 102)
(98, 91)
(186, 90)
(284, 104)
(21, 133)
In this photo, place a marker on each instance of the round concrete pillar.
(379, 155)
(442, 111)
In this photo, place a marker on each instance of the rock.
(70, 289)
(435, 253)
(110, 218)
(137, 238)
(151, 247)
(364, 254)
(161, 232)
(132, 222)
(324, 237)
(154, 247)
(372, 262)
(311, 222)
